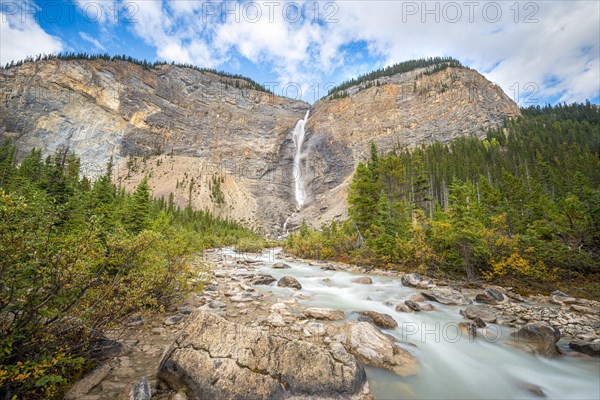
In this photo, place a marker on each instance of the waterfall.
(286, 222)
(298, 137)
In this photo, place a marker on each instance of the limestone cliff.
(401, 110)
(226, 147)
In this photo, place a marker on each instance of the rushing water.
(452, 366)
(298, 137)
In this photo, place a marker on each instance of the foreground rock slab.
(217, 359)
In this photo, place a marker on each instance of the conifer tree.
(138, 212)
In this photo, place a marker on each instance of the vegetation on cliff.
(522, 206)
(233, 79)
(438, 64)
(78, 258)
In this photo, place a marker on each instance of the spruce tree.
(138, 212)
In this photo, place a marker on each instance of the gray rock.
(88, 382)
(473, 312)
(538, 338)
(186, 309)
(411, 280)
(216, 304)
(328, 314)
(589, 348)
(175, 319)
(404, 308)
(558, 293)
(138, 390)
(446, 296)
(412, 305)
(491, 296)
(289, 282)
(135, 320)
(264, 280)
(212, 359)
(363, 280)
(281, 265)
(372, 347)
(428, 307)
(380, 320)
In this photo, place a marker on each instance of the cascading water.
(298, 137)
(452, 366)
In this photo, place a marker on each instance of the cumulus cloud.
(552, 47)
(23, 37)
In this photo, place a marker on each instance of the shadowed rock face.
(187, 123)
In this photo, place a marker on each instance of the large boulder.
(381, 320)
(373, 347)
(217, 359)
(446, 296)
(289, 282)
(474, 313)
(328, 314)
(538, 337)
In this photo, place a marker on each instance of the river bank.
(300, 326)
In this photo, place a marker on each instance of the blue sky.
(537, 51)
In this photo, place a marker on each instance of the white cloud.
(94, 42)
(559, 53)
(527, 52)
(20, 38)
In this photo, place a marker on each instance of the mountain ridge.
(228, 148)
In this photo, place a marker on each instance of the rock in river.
(363, 280)
(381, 320)
(589, 348)
(473, 313)
(289, 282)
(217, 359)
(538, 338)
(446, 296)
(373, 347)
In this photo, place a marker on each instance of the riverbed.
(453, 365)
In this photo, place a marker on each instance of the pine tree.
(138, 212)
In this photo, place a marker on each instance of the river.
(453, 366)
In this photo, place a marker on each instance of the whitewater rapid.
(451, 367)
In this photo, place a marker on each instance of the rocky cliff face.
(191, 130)
(226, 147)
(402, 110)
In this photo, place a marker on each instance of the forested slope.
(78, 258)
(522, 205)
